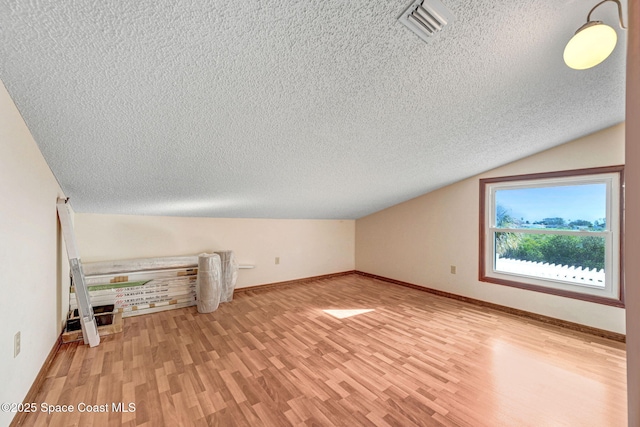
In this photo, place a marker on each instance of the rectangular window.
(558, 233)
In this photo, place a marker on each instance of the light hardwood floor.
(275, 358)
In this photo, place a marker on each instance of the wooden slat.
(275, 358)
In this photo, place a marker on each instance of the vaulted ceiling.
(293, 109)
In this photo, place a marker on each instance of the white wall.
(417, 241)
(306, 247)
(33, 270)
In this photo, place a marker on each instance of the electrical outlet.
(16, 344)
(453, 269)
(277, 260)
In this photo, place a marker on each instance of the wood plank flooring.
(275, 358)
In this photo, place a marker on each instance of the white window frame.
(613, 291)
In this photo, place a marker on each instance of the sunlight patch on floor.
(526, 380)
(343, 314)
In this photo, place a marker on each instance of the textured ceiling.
(293, 109)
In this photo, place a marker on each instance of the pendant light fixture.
(592, 43)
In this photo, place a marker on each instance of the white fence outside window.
(564, 273)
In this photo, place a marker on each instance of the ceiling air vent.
(426, 18)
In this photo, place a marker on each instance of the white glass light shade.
(591, 45)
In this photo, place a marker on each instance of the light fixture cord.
(619, 11)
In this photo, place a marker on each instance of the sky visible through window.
(570, 202)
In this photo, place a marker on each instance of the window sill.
(559, 292)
